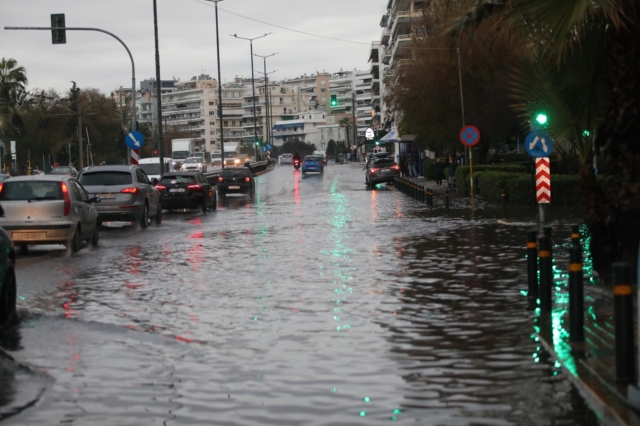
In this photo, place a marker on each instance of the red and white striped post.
(543, 185)
(135, 156)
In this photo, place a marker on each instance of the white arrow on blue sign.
(538, 144)
(134, 140)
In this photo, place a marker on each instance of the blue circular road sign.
(470, 135)
(538, 144)
(134, 140)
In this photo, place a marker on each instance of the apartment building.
(304, 127)
(377, 69)
(192, 108)
(353, 90)
(397, 26)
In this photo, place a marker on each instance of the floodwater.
(315, 303)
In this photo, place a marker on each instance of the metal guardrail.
(258, 167)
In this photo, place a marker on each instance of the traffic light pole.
(133, 67)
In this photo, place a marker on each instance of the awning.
(392, 136)
(277, 127)
(287, 126)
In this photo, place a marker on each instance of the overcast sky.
(187, 39)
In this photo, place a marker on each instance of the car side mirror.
(94, 200)
(154, 181)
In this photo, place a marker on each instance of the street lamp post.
(219, 85)
(253, 85)
(266, 96)
(158, 90)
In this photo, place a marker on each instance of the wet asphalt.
(317, 302)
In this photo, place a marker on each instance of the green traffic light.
(586, 133)
(541, 118)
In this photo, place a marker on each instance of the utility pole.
(355, 123)
(158, 90)
(79, 112)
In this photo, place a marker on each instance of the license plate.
(312, 168)
(106, 196)
(386, 170)
(177, 190)
(234, 187)
(22, 236)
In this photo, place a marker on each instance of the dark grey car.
(126, 194)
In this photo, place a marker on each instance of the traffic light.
(257, 143)
(541, 119)
(334, 100)
(586, 133)
(58, 36)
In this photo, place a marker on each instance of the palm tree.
(12, 79)
(584, 71)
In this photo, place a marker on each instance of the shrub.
(429, 168)
(565, 189)
(462, 174)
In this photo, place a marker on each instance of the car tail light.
(375, 170)
(161, 187)
(67, 199)
(395, 167)
(134, 191)
(194, 187)
(220, 179)
(1, 186)
(247, 179)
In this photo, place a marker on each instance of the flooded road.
(316, 303)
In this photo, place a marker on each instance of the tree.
(12, 79)
(428, 91)
(602, 37)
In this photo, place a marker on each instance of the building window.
(233, 123)
(210, 104)
(210, 113)
(226, 124)
(322, 90)
(211, 132)
(211, 123)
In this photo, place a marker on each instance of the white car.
(194, 164)
(286, 159)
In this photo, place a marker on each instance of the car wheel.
(144, 219)
(96, 236)
(8, 293)
(75, 241)
(158, 220)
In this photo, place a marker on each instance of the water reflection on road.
(316, 302)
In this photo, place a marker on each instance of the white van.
(324, 156)
(151, 166)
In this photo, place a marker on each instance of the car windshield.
(193, 160)
(179, 154)
(234, 173)
(105, 178)
(213, 156)
(60, 170)
(151, 168)
(178, 179)
(32, 190)
(231, 154)
(313, 159)
(287, 155)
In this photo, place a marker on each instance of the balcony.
(386, 33)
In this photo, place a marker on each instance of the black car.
(235, 180)
(8, 289)
(380, 170)
(186, 190)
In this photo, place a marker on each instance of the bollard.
(423, 194)
(430, 197)
(446, 199)
(532, 263)
(576, 295)
(575, 234)
(623, 320)
(504, 198)
(547, 231)
(546, 273)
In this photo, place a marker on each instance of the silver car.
(47, 209)
(194, 164)
(126, 194)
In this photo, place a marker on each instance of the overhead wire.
(284, 28)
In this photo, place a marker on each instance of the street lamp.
(266, 95)
(219, 85)
(158, 90)
(253, 85)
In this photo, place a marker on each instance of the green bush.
(429, 168)
(462, 174)
(565, 189)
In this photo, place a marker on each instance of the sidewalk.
(589, 365)
(431, 184)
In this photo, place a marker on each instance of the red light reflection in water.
(296, 186)
(67, 292)
(131, 261)
(194, 257)
(195, 221)
(374, 206)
